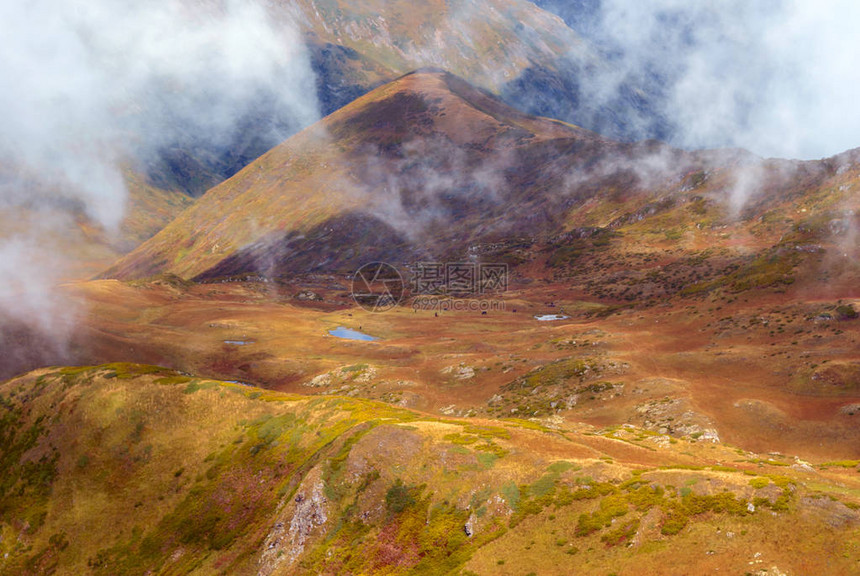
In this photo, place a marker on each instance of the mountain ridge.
(445, 167)
(285, 484)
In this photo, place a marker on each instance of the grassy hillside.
(132, 469)
(489, 42)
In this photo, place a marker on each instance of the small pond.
(341, 332)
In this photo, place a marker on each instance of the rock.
(465, 373)
(850, 409)
(310, 513)
(470, 525)
(461, 372)
(662, 441)
(319, 381)
(307, 514)
(308, 296)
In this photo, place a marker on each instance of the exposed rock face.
(308, 295)
(461, 372)
(674, 417)
(470, 526)
(850, 409)
(307, 513)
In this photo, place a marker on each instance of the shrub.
(399, 497)
(759, 482)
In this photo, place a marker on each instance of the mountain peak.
(432, 100)
(419, 154)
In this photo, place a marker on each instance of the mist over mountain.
(194, 93)
(774, 77)
(97, 95)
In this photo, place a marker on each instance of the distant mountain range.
(530, 57)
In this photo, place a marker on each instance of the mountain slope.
(522, 51)
(488, 42)
(427, 157)
(76, 243)
(126, 469)
(429, 167)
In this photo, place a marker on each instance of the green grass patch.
(760, 482)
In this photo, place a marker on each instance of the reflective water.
(341, 332)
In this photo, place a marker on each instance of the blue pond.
(342, 332)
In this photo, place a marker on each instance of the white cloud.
(86, 85)
(776, 77)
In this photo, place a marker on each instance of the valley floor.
(768, 373)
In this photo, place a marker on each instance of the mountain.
(488, 42)
(357, 46)
(691, 291)
(664, 380)
(516, 50)
(128, 469)
(427, 164)
(429, 167)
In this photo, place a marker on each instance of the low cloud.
(776, 77)
(91, 87)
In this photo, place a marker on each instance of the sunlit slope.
(69, 240)
(489, 42)
(129, 469)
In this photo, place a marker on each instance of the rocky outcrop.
(300, 518)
